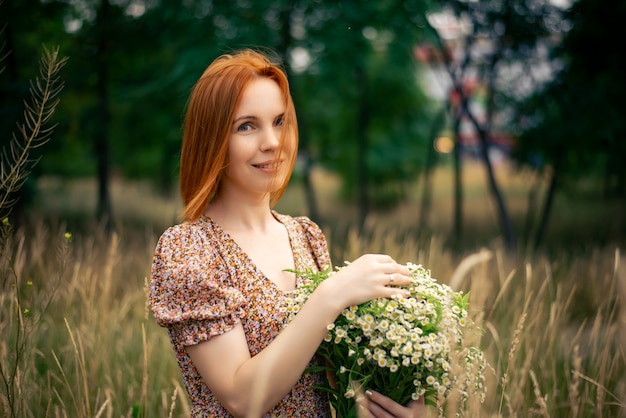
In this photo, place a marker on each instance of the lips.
(270, 165)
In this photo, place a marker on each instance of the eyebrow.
(250, 117)
(240, 118)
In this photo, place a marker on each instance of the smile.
(267, 166)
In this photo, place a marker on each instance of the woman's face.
(255, 167)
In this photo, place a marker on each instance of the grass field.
(77, 339)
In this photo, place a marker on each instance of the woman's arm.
(245, 384)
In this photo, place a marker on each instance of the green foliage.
(360, 94)
(575, 123)
(152, 58)
(359, 106)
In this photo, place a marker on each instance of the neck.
(241, 214)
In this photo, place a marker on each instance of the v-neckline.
(227, 237)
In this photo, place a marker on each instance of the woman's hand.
(376, 405)
(368, 277)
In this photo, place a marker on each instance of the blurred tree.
(575, 126)
(165, 50)
(492, 49)
(132, 65)
(130, 84)
(369, 120)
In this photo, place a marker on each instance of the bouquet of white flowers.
(405, 348)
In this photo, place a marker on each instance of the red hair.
(210, 112)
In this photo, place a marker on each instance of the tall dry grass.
(77, 339)
(76, 331)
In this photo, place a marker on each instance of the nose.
(271, 139)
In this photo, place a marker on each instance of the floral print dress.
(203, 283)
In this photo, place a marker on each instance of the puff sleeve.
(191, 292)
(316, 241)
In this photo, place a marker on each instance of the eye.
(244, 127)
(280, 120)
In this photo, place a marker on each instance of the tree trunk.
(362, 147)
(101, 136)
(506, 226)
(458, 186)
(456, 111)
(285, 43)
(505, 221)
(503, 216)
(547, 206)
(531, 210)
(431, 158)
(307, 183)
(483, 133)
(309, 189)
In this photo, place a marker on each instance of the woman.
(220, 277)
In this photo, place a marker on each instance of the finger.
(394, 267)
(381, 406)
(397, 278)
(386, 258)
(381, 258)
(404, 271)
(418, 408)
(420, 401)
(378, 411)
(362, 410)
